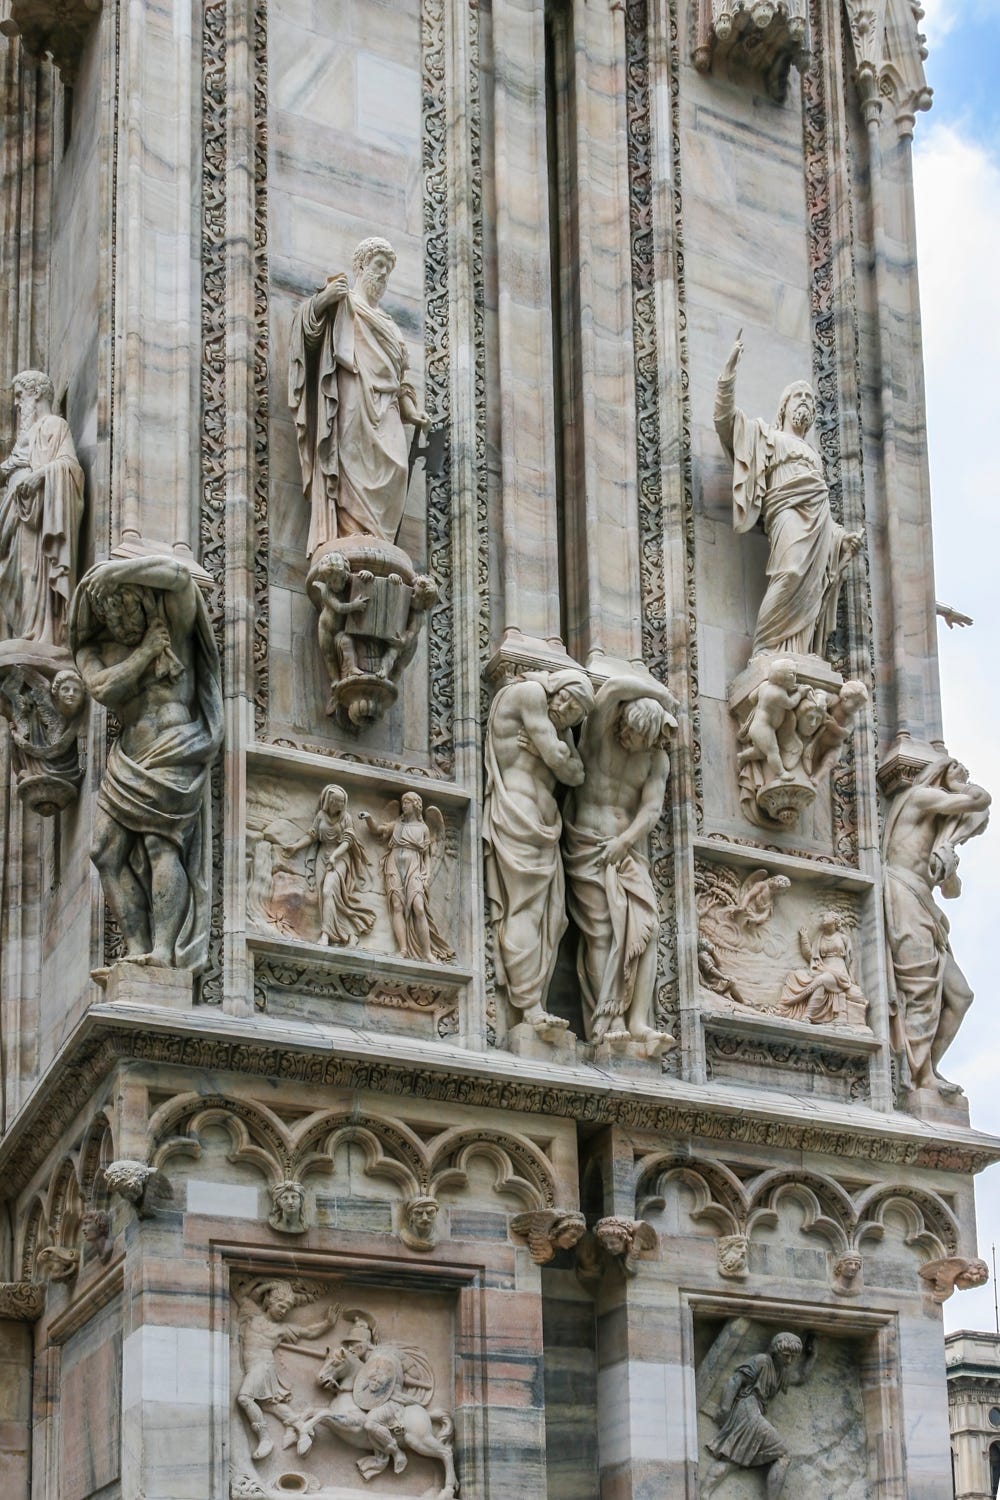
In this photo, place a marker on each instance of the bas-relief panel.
(341, 1389)
(344, 140)
(819, 1419)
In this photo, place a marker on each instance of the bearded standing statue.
(41, 504)
(348, 389)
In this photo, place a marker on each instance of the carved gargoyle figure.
(138, 1183)
(381, 1396)
(45, 714)
(415, 842)
(953, 1273)
(791, 735)
(930, 995)
(287, 1214)
(548, 1230)
(141, 636)
(614, 1241)
(262, 1314)
(732, 1254)
(418, 1227)
(41, 503)
(847, 1270)
(22, 1301)
(778, 476)
(95, 1227)
(529, 750)
(55, 1263)
(746, 1438)
(607, 821)
(827, 990)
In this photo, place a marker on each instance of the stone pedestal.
(141, 984)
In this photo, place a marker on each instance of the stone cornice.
(335, 1057)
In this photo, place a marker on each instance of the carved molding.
(845, 1220)
(73, 1082)
(284, 1154)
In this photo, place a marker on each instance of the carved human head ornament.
(35, 385)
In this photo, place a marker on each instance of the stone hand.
(525, 742)
(359, 603)
(615, 851)
(156, 639)
(332, 293)
(735, 355)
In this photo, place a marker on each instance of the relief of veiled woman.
(408, 866)
(341, 867)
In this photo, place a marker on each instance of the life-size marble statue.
(529, 748)
(745, 1437)
(348, 389)
(926, 823)
(414, 840)
(144, 647)
(778, 477)
(606, 827)
(40, 509)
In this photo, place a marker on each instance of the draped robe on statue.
(613, 905)
(780, 476)
(524, 874)
(38, 535)
(346, 374)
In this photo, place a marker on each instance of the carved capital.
(57, 27)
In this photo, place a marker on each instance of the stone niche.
(822, 1421)
(372, 1343)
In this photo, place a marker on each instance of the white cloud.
(957, 191)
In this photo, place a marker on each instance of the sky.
(957, 195)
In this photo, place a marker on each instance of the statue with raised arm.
(144, 648)
(529, 748)
(606, 827)
(349, 391)
(926, 823)
(41, 503)
(778, 478)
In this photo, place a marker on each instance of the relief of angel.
(262, 1310)
(415, 848)
(381, 1397)
(342, 865)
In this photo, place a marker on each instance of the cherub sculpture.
(262, 1311)
(772, 717)
(415, 842)
(330, 577)
(548, 1230)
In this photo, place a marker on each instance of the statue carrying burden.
(529, 748)
(144, 647)
(349, 391)
(930, 995)
(606, 827)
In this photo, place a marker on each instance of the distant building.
(972, 1361)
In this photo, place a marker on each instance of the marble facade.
(472, 1024)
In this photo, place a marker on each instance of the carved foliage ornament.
(22, 1301)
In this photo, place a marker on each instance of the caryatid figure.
(144, 647)
(348, 388)
(529, 748)
(778, 475)
(606, 830)
(41, 503)
(926, 823)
